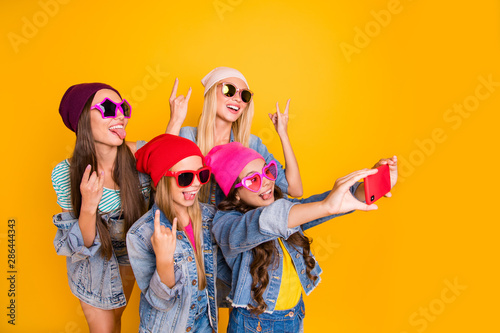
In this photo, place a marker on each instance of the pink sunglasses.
(253, 182)
(109, 109)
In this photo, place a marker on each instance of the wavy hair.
(125, 176)
(266, 254)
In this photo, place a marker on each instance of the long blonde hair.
(205, 137)
(206, 126)
(165, 202)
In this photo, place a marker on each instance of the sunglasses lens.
(185, 179)
(271, 171)
(252, 183)
(109, 108)
(204, 176)
(246, 96)
(126, 109)
(228, 90)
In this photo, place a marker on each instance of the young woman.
(227, 114)
(171, 248)
(261, 236)
(101, 196)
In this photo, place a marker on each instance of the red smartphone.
(377, 185)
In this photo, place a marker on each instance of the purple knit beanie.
(74, 100)
(227, 161)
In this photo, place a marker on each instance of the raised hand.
(91, 188)
(164, 240)
(340, 199)
(178, 104)
(280, 120)
(393, 169)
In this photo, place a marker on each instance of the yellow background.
(383, 270)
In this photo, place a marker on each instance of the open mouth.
(233, 108)
(189, 195)
(119, 131)
(266, 195)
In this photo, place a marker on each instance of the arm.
(340, 200)
(280, 121)
(69, 240)
(148, 272)
(178, 110)
(236, 232)
(91, 189)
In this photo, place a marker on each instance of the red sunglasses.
(185, 178)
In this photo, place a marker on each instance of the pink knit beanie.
(227, 161)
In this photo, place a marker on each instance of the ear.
(237, 197)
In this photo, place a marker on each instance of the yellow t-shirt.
(290, 289)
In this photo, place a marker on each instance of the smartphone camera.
(372, 198)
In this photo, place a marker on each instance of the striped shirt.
(110, 200)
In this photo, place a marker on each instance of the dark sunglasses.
(185, 178)
(109, 108)
(229, 90)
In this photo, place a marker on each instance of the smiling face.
(184, 197)
(109, 131)
(265, 196)
(230, 108)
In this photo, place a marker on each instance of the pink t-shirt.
(189, 232)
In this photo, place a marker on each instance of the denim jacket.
(164, 309)
(256, 144)
(237, 234)
(92, 278)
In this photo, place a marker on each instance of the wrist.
(88, 210)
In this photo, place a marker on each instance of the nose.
(196, 181)
(266, 181)
(119, 113)
(237, 96)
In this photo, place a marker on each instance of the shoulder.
(228, 215)
(189, 132)
(207, 211)
(254, 140)
(60, 173)
(256, 144)
(135, 146)
(144, 226)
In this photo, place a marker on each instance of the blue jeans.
(287, 321)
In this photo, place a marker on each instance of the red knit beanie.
(160, 154)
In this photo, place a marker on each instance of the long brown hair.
(265, 254)
(124, 175)
(166, 204)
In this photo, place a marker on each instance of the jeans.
(287, 321)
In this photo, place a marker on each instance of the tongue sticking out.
(120, 132)
(189, 195)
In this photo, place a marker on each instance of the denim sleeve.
(236, 232)
(69, 240)
(320, 197)
(143, 262)
(257, 145)
(188, 133)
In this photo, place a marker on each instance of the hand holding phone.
(377, 185)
